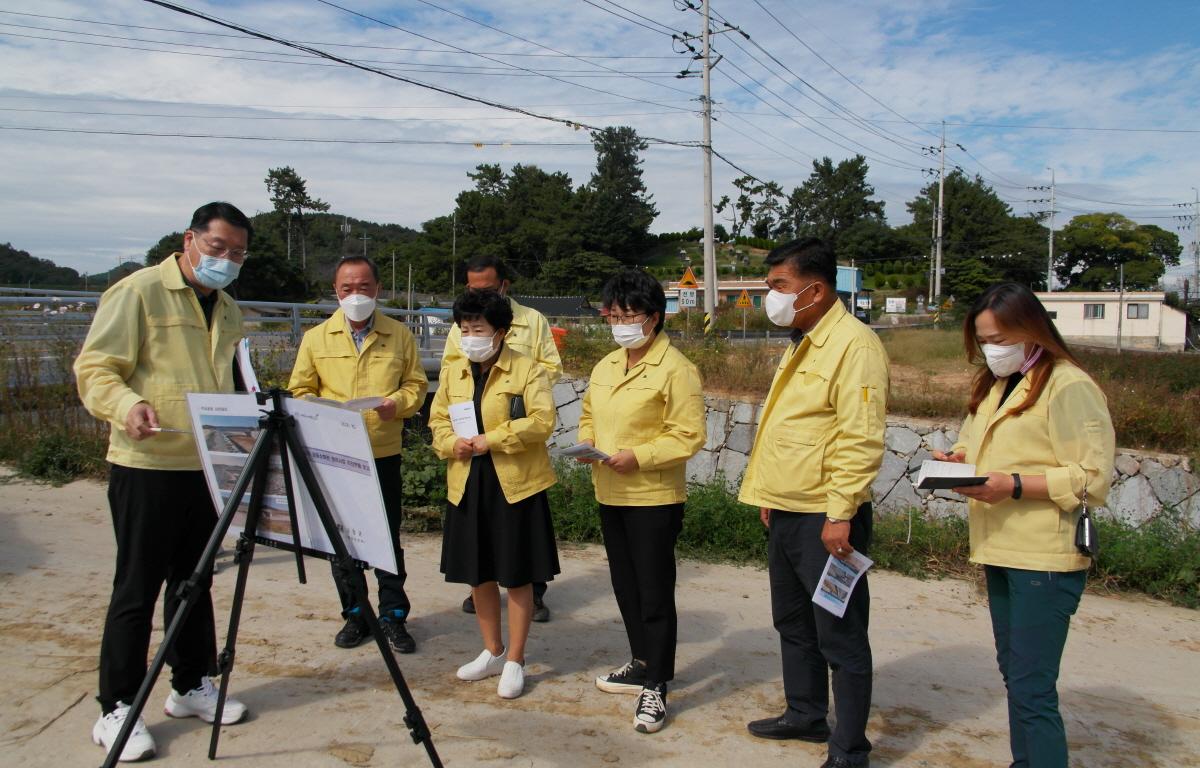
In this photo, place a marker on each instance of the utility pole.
(1120, 304)
(1196, 240)
(393, 274)
(1050, 240)
(708, 63)
(364, 237)
(937, 275)
(710, 257)
(410, 286)
(932, 248)
(453, 247)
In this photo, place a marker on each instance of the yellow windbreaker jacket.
(388, 365)
(657, 411)
(149, 342)
(517, 446)
(1067, 436)
(530, 335)
(820, 439)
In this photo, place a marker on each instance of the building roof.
(1101, 296)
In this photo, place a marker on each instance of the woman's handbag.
(1086, 539)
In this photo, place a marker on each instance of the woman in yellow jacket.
(497, 530)
(1040, 430)
(644, 408)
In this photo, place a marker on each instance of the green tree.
(289, 195)
(1093, 246)
(172, 243)
(582, 274)
(20, 268)
(617, 211)
(833, 199)
(978, 226)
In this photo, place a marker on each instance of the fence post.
(296, 331)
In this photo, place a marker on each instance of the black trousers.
(162, 520)
(814, 641)
(640, 544)
(393, 601)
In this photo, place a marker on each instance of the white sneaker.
(201, 702)
(512, 680)
(139, 745)
(484, 666)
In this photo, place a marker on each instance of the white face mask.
(1003, 359)
(477, 348)
(358, 307)
(629, 335)
(780, 306)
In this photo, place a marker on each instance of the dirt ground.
(1129, 682)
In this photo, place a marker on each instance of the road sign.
(743, 301)
(687, 296)
(688, 280)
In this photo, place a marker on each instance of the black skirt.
(484, 538)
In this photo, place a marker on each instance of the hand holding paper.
(584, 452)
(462, 419)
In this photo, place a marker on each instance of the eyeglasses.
(640, 317)
(233, 254)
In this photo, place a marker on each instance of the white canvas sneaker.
(484, 666)
(139, 745)
(201, 702)
(512, 680)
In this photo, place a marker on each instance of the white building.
(1093, 319)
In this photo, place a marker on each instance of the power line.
(324, 43)
(835, 69)
(398, 28)
(299, 118)
(425, 67)
(298, 139)
(664, 28)
(76, 97)
(392, 76)
(797, 122)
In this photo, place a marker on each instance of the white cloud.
(88, 200)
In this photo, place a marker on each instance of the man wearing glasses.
(158, 334)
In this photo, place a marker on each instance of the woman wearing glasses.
(644, 408)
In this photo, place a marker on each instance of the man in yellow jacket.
(530, 335)
(818, 448)
(361, 352)
(159, 334)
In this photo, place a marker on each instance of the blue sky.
(90, 200)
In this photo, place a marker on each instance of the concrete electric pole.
(937, 274)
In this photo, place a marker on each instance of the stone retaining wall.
(1143, 483)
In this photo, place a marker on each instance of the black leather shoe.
(841, 762)
(541, 613)
(779, 729)
(397, 636)
(353, 633)
(469, 604)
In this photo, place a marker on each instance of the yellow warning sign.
(688, 280)
(743, 301)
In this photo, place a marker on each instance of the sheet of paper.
(838, 580)
(359, 404)
(462, 418)
(246, 367)
(364, 403)
(946, 475)
(226, 428)
(583, 451)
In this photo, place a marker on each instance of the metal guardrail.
(425, 328)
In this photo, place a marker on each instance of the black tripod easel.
(277, 436)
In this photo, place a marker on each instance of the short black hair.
(227, 212)
(484, 262)
(807, 256)
(355, 259)
(489, 305)
(635, 291)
